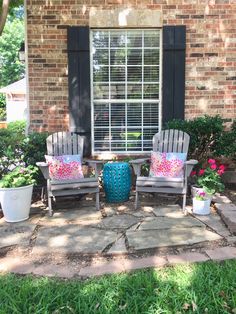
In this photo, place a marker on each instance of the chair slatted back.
(171, 141)
(65, 143)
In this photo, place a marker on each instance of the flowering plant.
(19, 176)
(209, 178)
(201, 196)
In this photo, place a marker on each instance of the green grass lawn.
(197, 288)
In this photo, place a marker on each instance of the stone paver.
(16, 233)
(215, 223)
(72, 239)
(122, 265)
(146, 262)
(231, 240)
(222, 253)
(218, 198)
(187, 258)
(102, 268)
(15, 265)
(118, 247)
(159, 223)
(168, 210)
(119, 222)
(51, 270)
(76, 216)
(225, 207)
(145, 239)
(228, 215)
(229, 218)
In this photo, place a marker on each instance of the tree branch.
(3, 16)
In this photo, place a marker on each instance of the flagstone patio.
(77, 228)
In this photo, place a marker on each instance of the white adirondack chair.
(66, 143)
(167, 141)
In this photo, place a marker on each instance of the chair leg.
(97, 201)
(50, 206)
(184, 204)
(136, 200)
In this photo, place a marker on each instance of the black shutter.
(79, 83)
(173, 80)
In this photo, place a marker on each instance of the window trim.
(125, 153)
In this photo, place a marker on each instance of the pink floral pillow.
(167, 164)
(65, 167)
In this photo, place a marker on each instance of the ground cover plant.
(197, 288)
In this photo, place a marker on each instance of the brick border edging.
(15, 265)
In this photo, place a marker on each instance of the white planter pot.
(201, 207)
(16, 203)
(195, 189)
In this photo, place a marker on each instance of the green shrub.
(34, 148)
(11, 139)
(204, 133)
(17, 149)
(226, 144)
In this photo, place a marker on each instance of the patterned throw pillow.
(65, 167)
(167, 164)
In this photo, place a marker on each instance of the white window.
(125, 71)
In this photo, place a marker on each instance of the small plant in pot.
(16, 188)
(201, 203)
(208, 179)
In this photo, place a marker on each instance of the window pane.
(134, 114)
(134, 56)
(101, 115)
(151, 73)
(117, 74)
(117, 56)
(134, 91)
(101, 91)
(117, 39)
(100, 74)
(134, 39)
(100, 39)
(100, 57)
(118, 115)
(134, 74)
(151, 91)
(151, 39)
(151, 56)
(117, 91)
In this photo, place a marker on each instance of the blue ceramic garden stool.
(117, 181)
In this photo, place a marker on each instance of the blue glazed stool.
(117, 181)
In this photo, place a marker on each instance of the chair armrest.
(137, 164)
(43, 166)
(189, 164)
(96, 164)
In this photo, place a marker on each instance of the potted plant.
(16, 189)
(201, 203)
(208, 179)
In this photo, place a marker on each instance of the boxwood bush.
(208, 137)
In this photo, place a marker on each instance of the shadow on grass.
(198, 288)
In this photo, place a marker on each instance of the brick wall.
(210, 55)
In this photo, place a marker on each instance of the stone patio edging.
(99, 268)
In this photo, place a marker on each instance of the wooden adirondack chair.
(66, 143)
(167, 141)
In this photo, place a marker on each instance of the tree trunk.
(3, 16)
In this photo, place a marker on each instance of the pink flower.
(202, 193)
(193, 173)
(211, 161)
(201, 172)
(222, 167)
(213, 166)
(220, 172)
